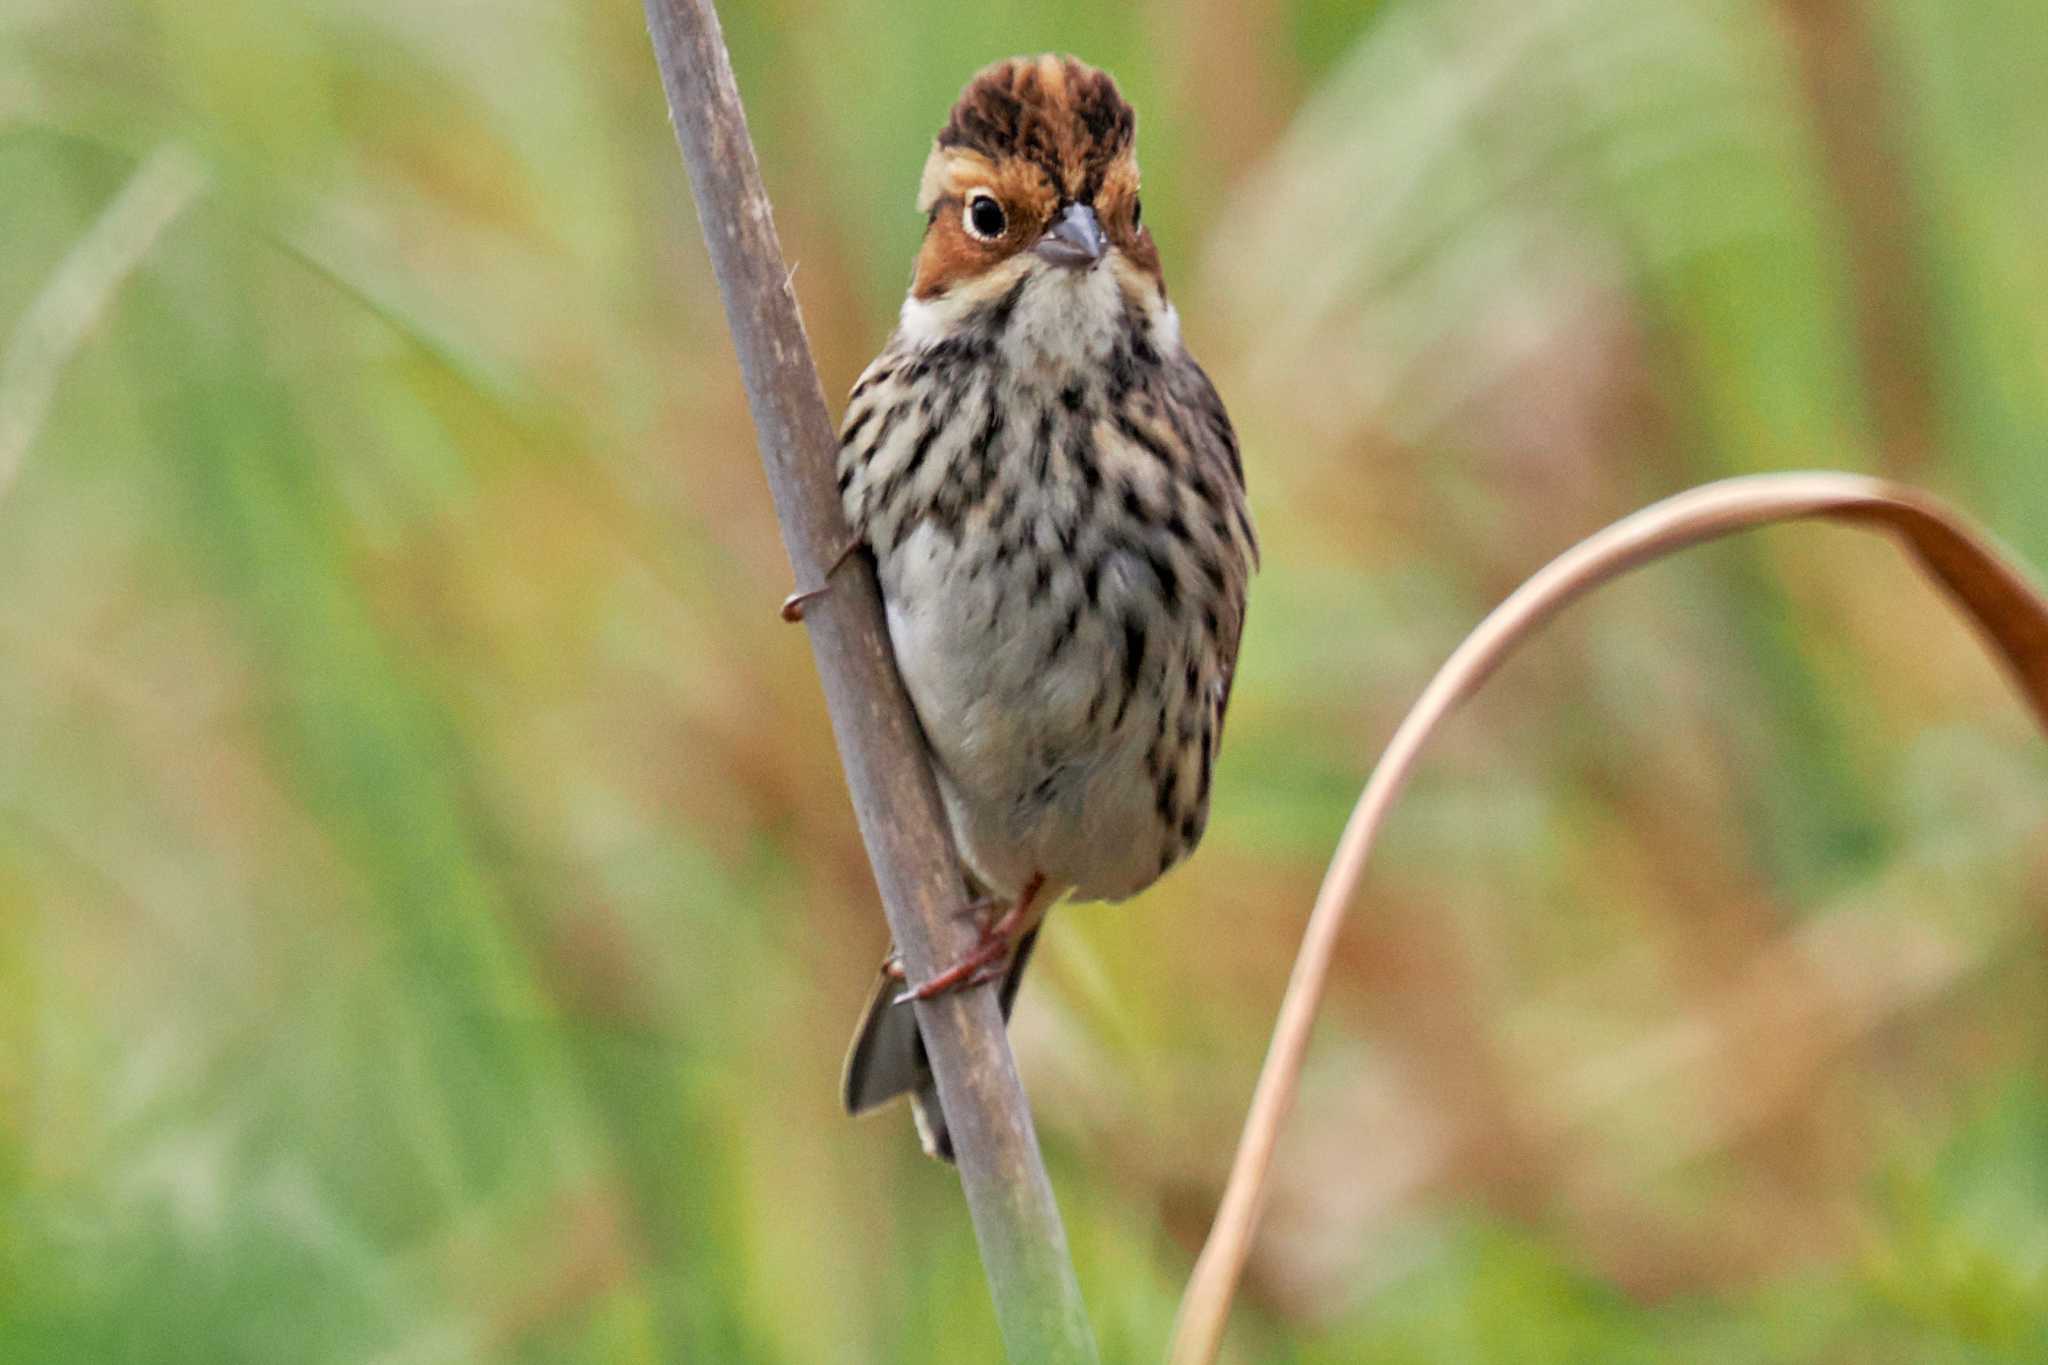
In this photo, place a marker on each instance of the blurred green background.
(430, 914)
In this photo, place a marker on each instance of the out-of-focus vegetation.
(429, 912)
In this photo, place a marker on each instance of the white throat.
(1064, 319)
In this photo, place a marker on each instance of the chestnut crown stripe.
(1062, 116)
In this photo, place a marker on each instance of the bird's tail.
(887, 1058)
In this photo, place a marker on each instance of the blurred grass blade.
(1979, 577)
(65, 311)
(324, 247)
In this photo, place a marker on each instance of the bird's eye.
(985, 217)
(1137, 212)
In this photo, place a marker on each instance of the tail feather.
(887, 1058)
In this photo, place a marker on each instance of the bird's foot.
(794, 605)
(980, 966)
(989, 959)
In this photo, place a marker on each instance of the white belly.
(1039, 775)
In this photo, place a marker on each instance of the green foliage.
(429, 912)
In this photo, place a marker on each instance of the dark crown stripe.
(1072, 129)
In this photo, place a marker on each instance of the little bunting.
(1055, 503)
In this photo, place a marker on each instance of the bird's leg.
(994, 971)
(793, 605)
(998, 941)
(892, 965)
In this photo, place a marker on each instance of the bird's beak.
(1074, 240)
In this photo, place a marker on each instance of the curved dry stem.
(2007, 609)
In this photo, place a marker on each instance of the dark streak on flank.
(855, 427)
(1133, 661)
(1081, 454)
(1145, 441)
(925, 440)
(1063, 637)
(1169, 581)
(1041, 446)
(985, 439)
(1006, 507)
(1133, 505)
(889, 421)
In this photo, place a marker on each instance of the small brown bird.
(1055, 503)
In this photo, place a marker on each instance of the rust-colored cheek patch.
(949, 256)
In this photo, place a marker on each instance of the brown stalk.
(1857, 113)
(1023, 1246)
(1979, 578)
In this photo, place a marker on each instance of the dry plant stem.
(1023, 1247)
(2007, 609)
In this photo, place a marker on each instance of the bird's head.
(1035, 176)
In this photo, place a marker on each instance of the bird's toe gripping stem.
(794, 605)
(989, 959)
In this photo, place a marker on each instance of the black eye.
(985, 217)
(1137, 212)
